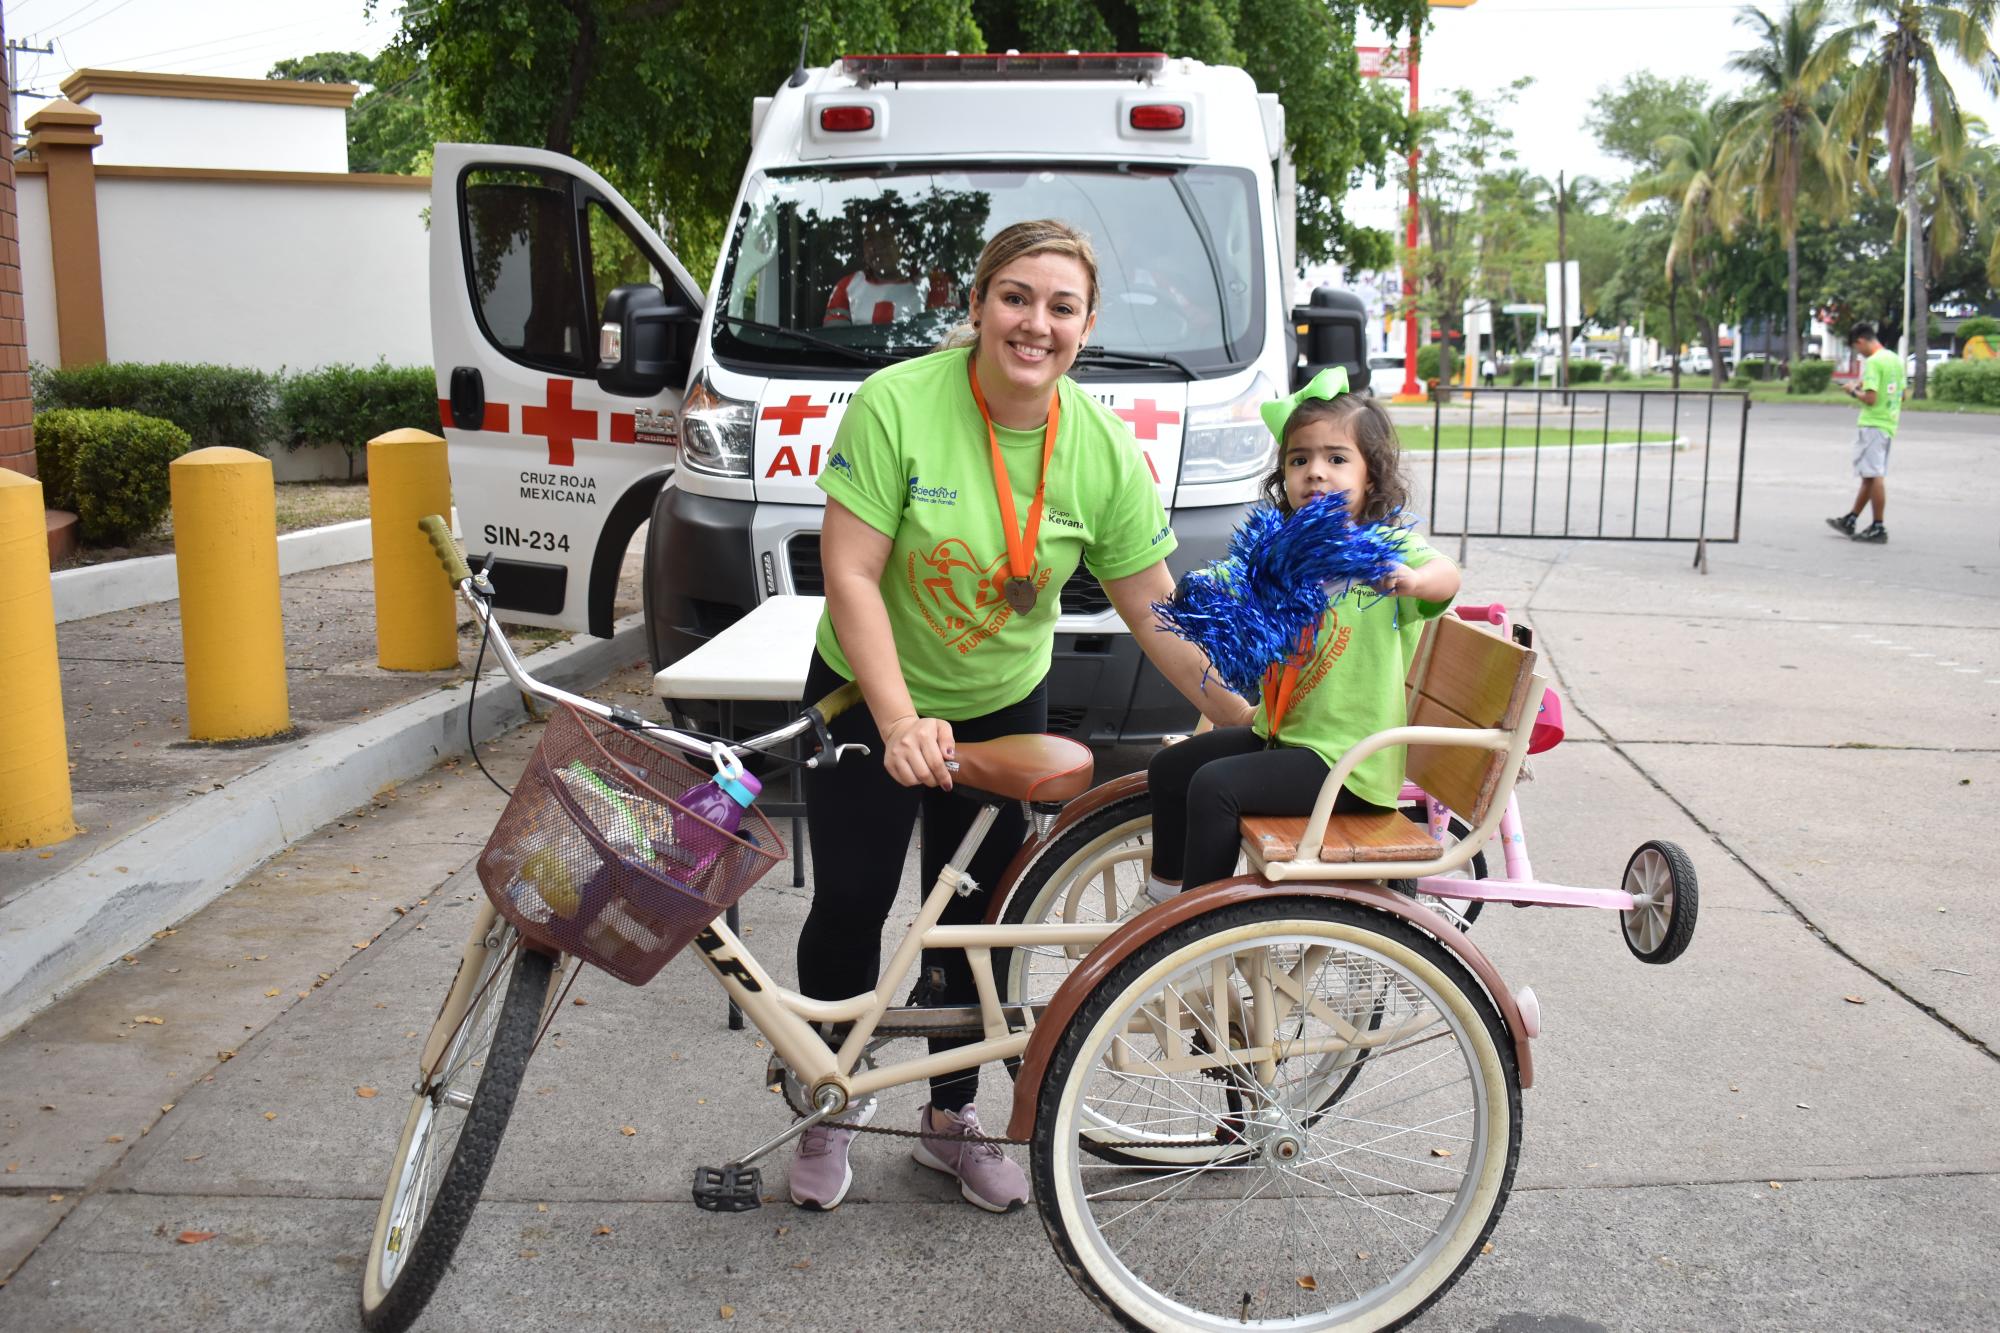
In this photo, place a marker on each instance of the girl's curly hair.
(1371, 431)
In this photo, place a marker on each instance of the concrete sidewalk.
(1792, 1127)
(168, 823)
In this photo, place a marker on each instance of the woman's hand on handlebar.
(914, 751)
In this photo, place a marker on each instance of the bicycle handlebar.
(447, 549)
(1492, 614)
(476, 593)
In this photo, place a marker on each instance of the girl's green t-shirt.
(911, 461)
(1353, 686)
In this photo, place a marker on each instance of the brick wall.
(17, 435)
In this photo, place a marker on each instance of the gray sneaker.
(1844, 524)
(987, 1176)
(820, 1175)
(1874, 532)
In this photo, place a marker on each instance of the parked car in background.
(1933, 357)
(1385, 374)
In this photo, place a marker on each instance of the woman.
(962, 489)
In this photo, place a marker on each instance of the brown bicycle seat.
(1024, 768)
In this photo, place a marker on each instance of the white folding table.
(762, 658)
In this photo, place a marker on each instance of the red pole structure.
(1412, 392)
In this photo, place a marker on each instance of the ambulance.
(587, 382)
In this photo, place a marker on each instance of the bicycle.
(1276, 1100)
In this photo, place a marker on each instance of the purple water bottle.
(721, 801)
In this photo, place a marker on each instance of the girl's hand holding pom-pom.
(1396, 583)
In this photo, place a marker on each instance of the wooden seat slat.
(1366, 837)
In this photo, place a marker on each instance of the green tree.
(1901, 45)
(1779, 143)
(1630, 120)
(1694, 179)
(386, 127)
(656, 94)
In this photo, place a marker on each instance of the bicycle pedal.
(728, 1189)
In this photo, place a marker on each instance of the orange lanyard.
(1281, 681)
(1020, 589)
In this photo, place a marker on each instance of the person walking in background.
(1881, 395)
(1486, 371)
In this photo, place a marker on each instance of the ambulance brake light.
(846, 119)
(1165, 116)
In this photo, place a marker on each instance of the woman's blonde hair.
(1043, 236)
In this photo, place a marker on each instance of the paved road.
(1794, 1127)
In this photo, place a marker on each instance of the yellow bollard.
(416, 622)
(34, 749)
(232, 630)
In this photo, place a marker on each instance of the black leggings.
(1202, 786)
(859, 819)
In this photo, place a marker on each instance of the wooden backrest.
(1465, 677)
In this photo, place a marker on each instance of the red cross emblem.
(559, 423)
(793, 415)
(1145, 418)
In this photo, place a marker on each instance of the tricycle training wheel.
(1659, 928)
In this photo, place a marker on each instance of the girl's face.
(1033, 320)
(1320, 459)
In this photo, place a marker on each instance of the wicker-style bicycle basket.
(596, 857)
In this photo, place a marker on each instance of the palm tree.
(1901, 44)
(1954, 198)
(1694, 177)
(1780, 145)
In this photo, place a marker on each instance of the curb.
(72, 926)
(119, 585)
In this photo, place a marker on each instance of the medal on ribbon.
(1019, 588)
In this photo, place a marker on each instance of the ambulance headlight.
(1227, 441)
(716, 432)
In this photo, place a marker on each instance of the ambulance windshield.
(881, 261)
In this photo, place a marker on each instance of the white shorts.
(1871, 452)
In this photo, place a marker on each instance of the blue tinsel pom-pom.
(1249, 610)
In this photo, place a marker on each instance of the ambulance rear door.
(562, 330)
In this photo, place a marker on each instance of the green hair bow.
(1329, 383)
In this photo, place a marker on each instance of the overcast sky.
(1571, 47)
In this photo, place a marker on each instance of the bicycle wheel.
(1357, 1217)
(1455, 832)
(451, 1137)
(1091, 873)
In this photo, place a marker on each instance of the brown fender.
(1128, 938)
(1089, 803)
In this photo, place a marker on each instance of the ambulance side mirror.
(644, 345)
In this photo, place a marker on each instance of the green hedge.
(350, 405)
(1810, 376)
(1586, 372)
(212, 404)
(1754, 368)
(110, 465)
(1978, 326)
(1521, 371)
(1967, 382)
(1619, 372)
(1427, 362)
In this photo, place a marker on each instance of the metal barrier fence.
(1579, 465)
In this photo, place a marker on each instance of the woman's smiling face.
(1321, 458)
(1033, 319)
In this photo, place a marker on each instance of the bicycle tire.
(397, 1306)
(1035, 893)
(1115, 1274)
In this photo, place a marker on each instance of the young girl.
(1344, 684)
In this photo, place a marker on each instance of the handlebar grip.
(1492, 614)
(838, 702)
(447, 549)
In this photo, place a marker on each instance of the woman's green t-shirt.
(1353, 686)
(911, 461)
